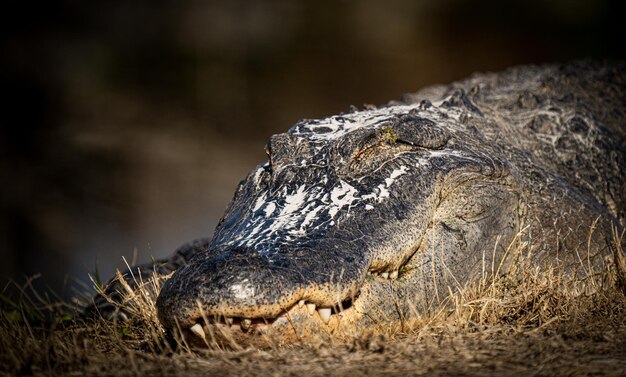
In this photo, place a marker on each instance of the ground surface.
(596, 350)
(526, 321)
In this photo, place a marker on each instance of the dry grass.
(521, 320)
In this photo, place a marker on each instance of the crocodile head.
(334, 222)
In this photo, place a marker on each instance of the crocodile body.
(380, 212)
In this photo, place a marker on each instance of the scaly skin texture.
(420, 188)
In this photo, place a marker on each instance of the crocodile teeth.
(121, 316)
(198, 330)
(229, 321)
(245, 324)
(384, 275)
(324, 314)
(393, 275)
(301, 303)
(310, 308)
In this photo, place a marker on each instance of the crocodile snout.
(244, 285)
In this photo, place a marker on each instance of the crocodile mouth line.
(293, 322)
(301, 309)
(303, 312)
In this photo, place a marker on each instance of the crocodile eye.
(406, 129)
(377, 141)
(363, 151)
(420, 132)
(373, 150)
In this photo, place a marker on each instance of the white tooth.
(324, 314)
(245, 323)
(198, 330)
(393, 275)
(122, 316)
(229, 321)
(301, 303)
(384, 275)
(310, 307)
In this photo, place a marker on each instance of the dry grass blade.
(514, 319)
(618, 258)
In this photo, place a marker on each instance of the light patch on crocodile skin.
(269, 209)
(293, 211)
(335, 126)
(309, 217)
(296, 212)
(259, 203)
(294, 201)
(343, 195)
(319, 131)
(242, 290)
(395, 174)
(257, 173)
(382, 192)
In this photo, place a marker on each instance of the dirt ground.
(597, 349)
(592, 341)
(526, 322)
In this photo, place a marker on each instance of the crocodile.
(375, 215)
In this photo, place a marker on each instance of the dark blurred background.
(126, 125)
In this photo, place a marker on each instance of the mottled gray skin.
(422, 187)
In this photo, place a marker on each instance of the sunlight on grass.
(511, 301)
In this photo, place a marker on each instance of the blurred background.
(126, 125)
